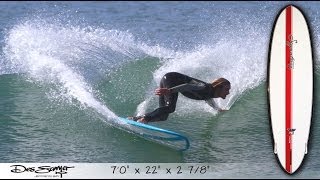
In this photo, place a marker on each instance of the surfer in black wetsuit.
(172, 83)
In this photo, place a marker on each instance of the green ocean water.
(37, 129)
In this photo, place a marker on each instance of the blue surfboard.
(162, 136)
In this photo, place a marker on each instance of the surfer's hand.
(222, 110)
(162, 91)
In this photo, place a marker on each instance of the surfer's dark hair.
(218, 83)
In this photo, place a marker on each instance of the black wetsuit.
(176, 82)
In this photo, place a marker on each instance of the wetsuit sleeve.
(213, 104)
(187, 87)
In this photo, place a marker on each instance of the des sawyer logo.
(41, 169)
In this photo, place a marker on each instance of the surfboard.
(159, 135)
(290, 85)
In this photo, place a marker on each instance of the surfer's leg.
(162, 113)
(170, 102)
(167, 104)
(161, 98)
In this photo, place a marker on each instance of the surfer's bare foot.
(135, 118)
(142, 120)
(132, 118)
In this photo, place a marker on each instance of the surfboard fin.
(275, 148)
(306, 149)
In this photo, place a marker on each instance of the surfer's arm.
(191, 86)
(186, 87)
(213, 104)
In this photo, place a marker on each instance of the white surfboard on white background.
(290, 87)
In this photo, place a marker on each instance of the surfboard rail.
(173, 136)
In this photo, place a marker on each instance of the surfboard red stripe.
(288, 90)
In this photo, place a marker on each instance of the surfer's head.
(221, 87)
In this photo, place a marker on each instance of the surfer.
(172, 83)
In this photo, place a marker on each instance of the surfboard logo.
(290, 44)
(291, 131)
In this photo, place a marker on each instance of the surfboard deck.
(290, 88)
(158, 134)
